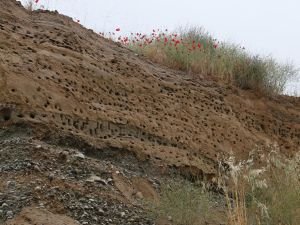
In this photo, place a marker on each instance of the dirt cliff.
(70, 86)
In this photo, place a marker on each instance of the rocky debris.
(54, 178)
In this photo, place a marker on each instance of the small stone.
(37, 188)
(80, 155)
(101, 212)
(9, 214)
(94, 178)
(109, 180)
(10, 184)
(36, 168)
(123, 214)
(51, 177)
(64, 155)
(139, 195)
(4, 205)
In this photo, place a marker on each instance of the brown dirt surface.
(33, 216)
(74, 91)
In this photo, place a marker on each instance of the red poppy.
(199, 45)
(118, 29)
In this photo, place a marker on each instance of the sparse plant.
(184, 203)
(30, 5)
(194, 50)
(266, 196)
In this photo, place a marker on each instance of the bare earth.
(88, 128)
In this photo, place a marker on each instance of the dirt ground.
(88, 127)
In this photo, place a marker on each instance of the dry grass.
(267, 196)
(254, 196)
(198, 52)
(29, 5)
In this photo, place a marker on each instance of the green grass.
(183, 203)
(225, 61)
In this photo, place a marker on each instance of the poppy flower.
(118, 29)
(36, 1)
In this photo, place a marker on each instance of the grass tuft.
(183, 203)
(195, 51)
(266, 196)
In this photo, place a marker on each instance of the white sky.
(262, 26)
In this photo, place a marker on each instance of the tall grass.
(196, 51)
(267, 196)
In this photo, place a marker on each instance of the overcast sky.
(262, 26)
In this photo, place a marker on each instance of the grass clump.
(29, 5)
(266, 196)
(183, 203)
(196, 51)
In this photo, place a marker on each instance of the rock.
(139, 195)
(101, 212)
(36, 168)
(37, 188)
(32, 216)
(95, 178)
(64, 155)
(79, 155)
(4, 205)
(9, 214)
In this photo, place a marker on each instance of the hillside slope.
(68, 80)
(88, 128)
